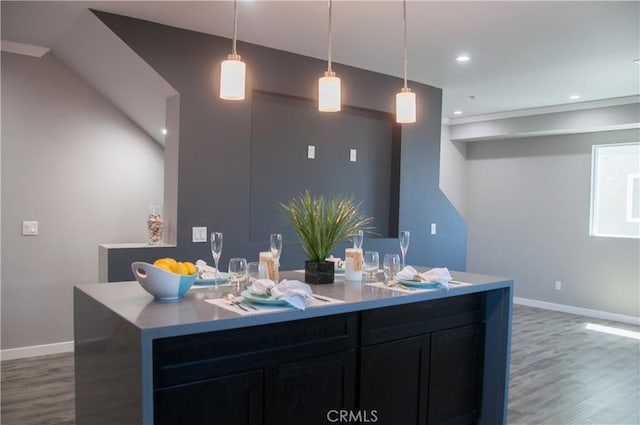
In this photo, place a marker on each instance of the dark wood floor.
(561, 374)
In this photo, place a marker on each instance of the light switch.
(311, 152)
(433, 228)
(29, 228)
(352, 155)
(199, 234)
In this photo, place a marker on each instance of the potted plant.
(322, 223)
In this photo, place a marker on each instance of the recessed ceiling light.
(574, 97)
(463, 58)
(458, 112)
(164, 131)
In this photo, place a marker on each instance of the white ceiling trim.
(545, 110)
(23, 48)
(604, 118)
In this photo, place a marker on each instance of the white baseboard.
(36, 350)
(598, 314)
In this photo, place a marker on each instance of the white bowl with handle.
(163, 285)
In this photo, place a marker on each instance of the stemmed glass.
(237, 273)
(404, 244)
(357, 239)
(390, 266)
(275, 246)
(216, 251)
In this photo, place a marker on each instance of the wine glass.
(256, 271)
(216, 251)
(357, 238)
(371, 260)
(237, 273)
(275, 246)
(390, 266)
(404, 244)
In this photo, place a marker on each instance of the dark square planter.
(318, 273)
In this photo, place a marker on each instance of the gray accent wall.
(527, 210)
(372, 179)
(84, 171)
(214, 184)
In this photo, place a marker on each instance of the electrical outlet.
(558, 285)
(29, 228)
(198, 234)
(311, 152)
(352, 155)
(433, 228)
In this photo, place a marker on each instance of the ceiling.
(524, 54)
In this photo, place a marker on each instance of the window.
(615, 190)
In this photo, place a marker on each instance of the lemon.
(179, 268)
(171, 265)
(163, 266)
(167, 260)
(191, 268)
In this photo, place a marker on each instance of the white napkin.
(438, 275)
(293, 292)
(205, 271)
(408, 273)
(338, 263)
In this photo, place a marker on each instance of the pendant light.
(233, 70)
(329, 84)
(406, 99)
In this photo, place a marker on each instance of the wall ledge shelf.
(130, 245)
(144, 252)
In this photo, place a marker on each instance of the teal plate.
(423, 285)
(261, 299)
(222, 278)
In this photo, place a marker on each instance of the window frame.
(594, 212)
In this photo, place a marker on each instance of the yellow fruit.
(167, 260)
(179, 268)
(191, 268)
(163, 266)
(171, 265)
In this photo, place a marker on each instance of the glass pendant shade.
(329, 93)
(405, 106)
(232, 78)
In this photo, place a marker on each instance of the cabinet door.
(305, 392)
(229, 400)
(394, 381)
(455, 382)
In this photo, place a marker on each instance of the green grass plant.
(322, 223)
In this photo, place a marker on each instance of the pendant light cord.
(404, 50)
(235, 26)
(329, 47)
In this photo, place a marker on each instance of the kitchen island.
(375, 355)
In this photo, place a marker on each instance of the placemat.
(262, 309)
(412, 290)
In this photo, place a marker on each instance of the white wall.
(453, 170)
(528, 218)
(84, 171)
